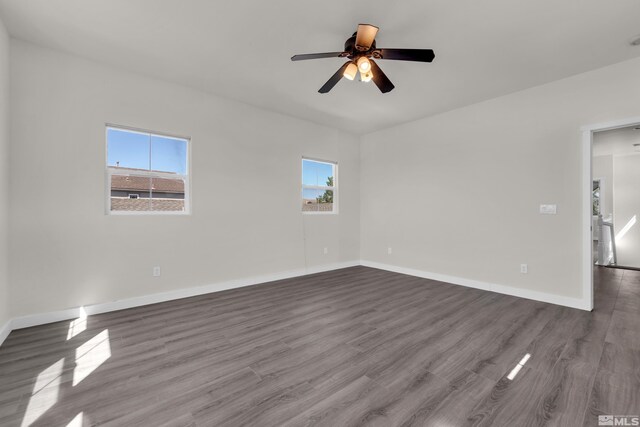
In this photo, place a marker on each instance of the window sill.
(319, 213)
(125, 213)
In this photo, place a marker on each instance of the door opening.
(605, 222)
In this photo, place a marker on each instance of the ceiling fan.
(361, 50)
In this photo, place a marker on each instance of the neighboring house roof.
(317, 207)
(144, 205)
(127, 182)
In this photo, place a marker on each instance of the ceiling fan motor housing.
(350, 46)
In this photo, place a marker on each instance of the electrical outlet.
(389, 250)
(524, 269)
(326, 251)
(156, 271)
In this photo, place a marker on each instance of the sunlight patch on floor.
(45, 393)
(90, 355)
(77, 420)
(45, 377)
(519, 366)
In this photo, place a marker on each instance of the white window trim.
(320, 187)
(110, 170)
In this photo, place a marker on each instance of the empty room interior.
(288, 213)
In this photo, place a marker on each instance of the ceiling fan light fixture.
(366, 77)
(351, 71)
(361, 50)
(363, 64)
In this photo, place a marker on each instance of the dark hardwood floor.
(350, 347)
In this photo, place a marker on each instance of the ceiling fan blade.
(317, 55)
(380, 78)
(365, 36)
(421, 55)
(334, 79)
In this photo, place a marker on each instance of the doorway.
(611, 235)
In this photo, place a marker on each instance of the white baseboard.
(5, 330)
(73, 313)
(501, 289)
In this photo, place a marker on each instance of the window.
(319, 186)
(147, 173)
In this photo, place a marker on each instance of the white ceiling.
(240, 49)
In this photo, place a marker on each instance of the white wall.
(4, 176)
(246, 217)
(626, 187)
(454, 194)
(458, 193)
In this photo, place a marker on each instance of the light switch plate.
(548, 209)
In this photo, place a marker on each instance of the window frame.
(319, 187)
(148, 174)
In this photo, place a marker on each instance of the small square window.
(319, 186)
(146, 172)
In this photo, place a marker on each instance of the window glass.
(153, 168)
(316, 173)
(318, 186)
(169, 155)
(128, 149)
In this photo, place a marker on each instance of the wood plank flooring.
(357, 346)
